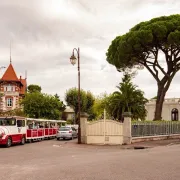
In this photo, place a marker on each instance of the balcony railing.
(10, 93)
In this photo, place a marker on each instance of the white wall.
(168, 105)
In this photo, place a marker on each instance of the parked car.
(66, 133)
(74, 126)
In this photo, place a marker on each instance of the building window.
(174, 114)
(9, 87)
(9, 102)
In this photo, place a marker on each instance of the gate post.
(83, 121)
(127, 128)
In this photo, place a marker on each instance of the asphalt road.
(61, 160)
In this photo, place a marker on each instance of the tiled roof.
(10, 74)
(23, 88)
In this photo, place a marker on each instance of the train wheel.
(9, 142)
(23, 140)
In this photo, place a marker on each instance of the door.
(21, 129)
(10, 124)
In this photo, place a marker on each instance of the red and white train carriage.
(20, 130)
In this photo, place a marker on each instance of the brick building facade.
(12, 89)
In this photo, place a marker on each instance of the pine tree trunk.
(159, 103)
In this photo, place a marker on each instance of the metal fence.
(140, 129)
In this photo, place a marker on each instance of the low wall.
(155, 138)
(109, 140)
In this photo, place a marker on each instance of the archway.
(174, 114)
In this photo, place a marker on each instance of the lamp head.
(73, 60)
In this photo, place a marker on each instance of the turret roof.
(10, 74)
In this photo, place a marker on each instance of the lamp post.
(73, 62)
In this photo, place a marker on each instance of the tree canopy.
(39, 105)
(34, 88)
(142, 47)
(127, 98)
(101, 102)
(86, 100)
(63, 107)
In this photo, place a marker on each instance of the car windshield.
(64, 128)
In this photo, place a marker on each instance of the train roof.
(45, 120)
(34, 119)
(19, 117)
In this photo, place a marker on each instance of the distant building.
(170, 111)
(68, 113)
(12, 89)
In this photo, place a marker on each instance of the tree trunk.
(159, 102)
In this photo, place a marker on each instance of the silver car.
(66, 133)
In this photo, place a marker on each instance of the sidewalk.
(139, 145)
(151, 144)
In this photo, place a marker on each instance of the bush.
(69, 121)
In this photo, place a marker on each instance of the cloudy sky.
(44, 32)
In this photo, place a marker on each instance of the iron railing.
(140, 129)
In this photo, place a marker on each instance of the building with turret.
(12, 89)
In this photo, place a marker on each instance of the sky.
(43, 34)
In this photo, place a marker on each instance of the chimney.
(20, 78)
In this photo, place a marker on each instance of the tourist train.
(19, 130)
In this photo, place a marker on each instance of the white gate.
(104, 132)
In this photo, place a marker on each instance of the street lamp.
(73, 62)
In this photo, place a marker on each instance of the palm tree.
(128, 99)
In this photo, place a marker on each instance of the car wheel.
(9, 142)
(23, 140)
(57, 139)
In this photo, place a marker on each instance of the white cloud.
(44, 33)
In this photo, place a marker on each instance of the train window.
(1, 122)
(20, 123)
(7, 122)
(11, 122)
